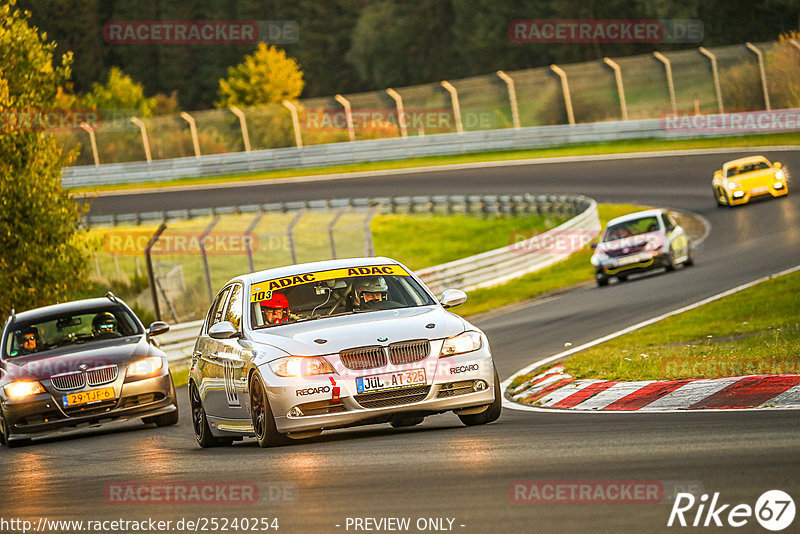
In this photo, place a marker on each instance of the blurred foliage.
(741, 85)
(120, 91)
(41, 250)
(383, 40)
(265, 77)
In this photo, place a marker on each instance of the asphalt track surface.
(441, 469)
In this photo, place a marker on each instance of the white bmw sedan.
(289, 352)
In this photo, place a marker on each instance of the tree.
(120, 92)
(266, 76)
(41, 259)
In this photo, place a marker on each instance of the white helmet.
(375, 285)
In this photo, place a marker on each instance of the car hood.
(68, 359)
(753, 179)
(358, 330)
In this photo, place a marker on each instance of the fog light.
(479, 385)
(778, 185)
(295, 412)
(738, 194)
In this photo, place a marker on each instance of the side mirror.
(778, 165)
(453, 297)
(158, 328)
(223, 330)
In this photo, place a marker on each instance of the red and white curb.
(557, 389)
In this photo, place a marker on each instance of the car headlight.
(145, 367)
(732, 185)
(301, 366)
(466, 342)
(653, 244)
(22, 389)
(779, 175)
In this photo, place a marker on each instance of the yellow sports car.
(741, 179)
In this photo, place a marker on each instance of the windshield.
(631, 228)
(750, 167)
(316, 295)
(76, 328)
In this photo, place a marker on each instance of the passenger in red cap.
(275, 310)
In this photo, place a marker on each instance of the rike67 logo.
(774, 510)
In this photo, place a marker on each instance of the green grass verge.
(573, 270)
(421, 241)
(754, 331)
(616, 147)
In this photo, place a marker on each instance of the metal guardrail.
(482, 270)
(368, 151)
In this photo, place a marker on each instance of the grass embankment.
(616, 147)
(754, 331)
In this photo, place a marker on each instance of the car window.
(74, 328)
(234, 311)
(218, 307)
(668, 223)
(749, 167)
(317, 295)
(631, 228)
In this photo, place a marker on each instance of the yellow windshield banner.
(263, 290)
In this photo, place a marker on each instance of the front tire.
(200, 423)
(5, 434)
(263, 421)
(492, 413)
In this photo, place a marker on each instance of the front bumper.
(743, 196)
(43, 414)
(635, 263)
(459, 382)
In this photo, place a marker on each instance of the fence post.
(565, 89)
(623, 106)
(88, 129)
(348, 116)
(668, 66)
(206, 269)
(456, 106)
(193, 129)
(512, 97)
(243, 123)
(145, 142)
(401, 113)
(298, 138)
(331, 235)
(150, 273)
(248, 234)
(290, 233)
(369, 245)
(763, 71)
(715, 73)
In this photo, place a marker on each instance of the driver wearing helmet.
(275, 310)
(370, 291)
(104, 325)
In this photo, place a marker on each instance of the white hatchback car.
(640, 242)
(292, 351)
